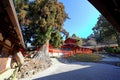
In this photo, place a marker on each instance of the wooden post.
(1, 46)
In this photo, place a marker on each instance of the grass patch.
(86, 57)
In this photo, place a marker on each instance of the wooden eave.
(70, 40)
(110, 9)
(5, 45)
(9, 7)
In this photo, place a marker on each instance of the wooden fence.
(67, 53)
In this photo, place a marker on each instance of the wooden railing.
(67, 53)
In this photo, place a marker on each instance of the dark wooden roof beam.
(9, 7)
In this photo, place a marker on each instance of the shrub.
(109, 50)
(117, 50)
(112, 50)
(86, 57)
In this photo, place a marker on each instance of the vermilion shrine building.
(71, 44)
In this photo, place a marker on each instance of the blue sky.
(83, 17)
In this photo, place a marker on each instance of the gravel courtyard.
(78, 71)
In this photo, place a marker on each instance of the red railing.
(67, 53)
(64, 53)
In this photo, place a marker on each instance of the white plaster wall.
(56, 54)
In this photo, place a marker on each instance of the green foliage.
(112, 50)
(56, 39)
(39, 19)
(21, 9)
(109, 50)
(86, 57)
(74, 36)
(117, 50)
(79, 43)
(104, 31)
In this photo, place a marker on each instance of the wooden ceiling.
(9, 26)
(110, 9)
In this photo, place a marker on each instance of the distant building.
(70, 44)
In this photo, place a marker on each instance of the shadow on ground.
(93, 71)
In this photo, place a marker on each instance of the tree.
(56, 39)
(40, 20)
(21, 9)
(74, 36)
(65, 33)
(104, 32)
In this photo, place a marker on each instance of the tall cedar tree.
(39, 20)
(104, 31)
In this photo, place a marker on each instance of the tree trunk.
(43, 54)
(118, 38)
(40, 62)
